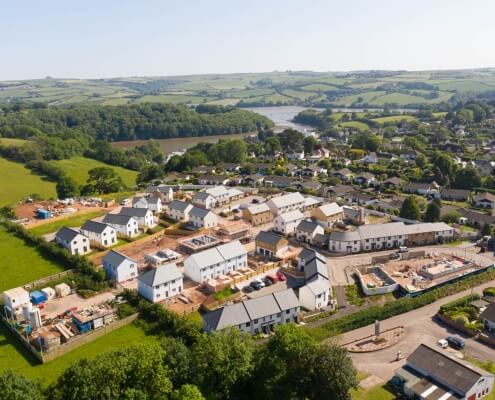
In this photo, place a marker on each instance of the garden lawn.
(20, 263)
(375, 393)
(77, 168)
(18, 182)
(15, 357)
(76, 220)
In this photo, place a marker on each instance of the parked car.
(455, 342)
(124, 202)
(255, 285)
(394, 256)
(262, 284)
(281, 277)
(248, 289)
(273, 278)
(403, 249)
(443, 343)
(267, 281)
(255, 201)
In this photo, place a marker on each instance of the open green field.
(13, 355)
(360, 126)
(18, 182)
(78, 167)
(21, 264)
(76, 220)
(395, 119)
(12, 142)
(263, 88)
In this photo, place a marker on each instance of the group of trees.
(227, 365)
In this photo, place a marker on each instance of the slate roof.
(199, 212)
(286, 299)
(287, 199)
(134, 212)
(261, 306)
(441, 367)
(489, 313)
(225, 317)
(270, 237)
(162, 274)
(67, 234)
(178, 205)
(290, 216)
(307, 226)
(318, 285)
(231, 250)
(258, 208)
(93, 226)
(117, 219)
(115, 258)
(315, 267)
(309, 254)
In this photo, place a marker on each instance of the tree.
(309, 144)
(135, 372)
(432, 212)
(421, 160)
(467, 178)
(177, 358)
(148, 173)
(7, 212)
(451, 217)
(67, 187)
(410, 209)
(222, 363)
(16, 387)
(272, 145)
(104, 180)
(486, 230)
(445, 164)
(187, 392)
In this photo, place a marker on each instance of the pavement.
(420, 327)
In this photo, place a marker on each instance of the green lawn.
(21, 264)
(76, 220)
(13, 355)
(375, 393)
(78, 167)
(18, 182)
(12, 142)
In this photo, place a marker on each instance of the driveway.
(420, 327)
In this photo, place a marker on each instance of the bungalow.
(296, 155)
(152, 203)
(328, 214)
(286, 223)
(307, 185)
(365, 178)
(160, 283)
(257, 214)
(392, 183)
(424, 189)
(216, 261)
(125, 225)
(285, 203)
(370, 158)
(270, 244)
(455, 194)
(213, 180)
(72, 240)
(476, 218)
(202, 218)
(179, 210)
(306, 231)
(230, 167)
(256, 315)
(143, 216)
(343, 174)
(313, 171)
(431, 373)
(118, 267)
(99, 234)
(319, 154)
(281, 182)
(253, 180)
(484, 200)
(361, 198)
(485, 167)
(335, 192)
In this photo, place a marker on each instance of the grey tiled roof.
(115, 258)
(93, 226)
(307, 226)
(117, 219)
(315, 267)
(179, 205)
(67, 234)
(199, 212)
(286, 299)
(162, 274)
(269, 237)
(134, 212)
(228, 316)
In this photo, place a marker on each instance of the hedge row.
(391, 309)
(86, 275)
(462, 302)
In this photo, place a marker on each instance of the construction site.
(415, 275)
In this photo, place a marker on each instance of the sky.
(110, 38)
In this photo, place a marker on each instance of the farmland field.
(360, 126)
(18, 182)
(77, 168)
(12, 142)
(21, 264)
(13, 355)
(395, 118)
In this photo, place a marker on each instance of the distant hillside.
(368, 89)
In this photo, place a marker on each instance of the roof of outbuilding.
(162, 274)
(94, 226)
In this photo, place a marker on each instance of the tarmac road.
(420, 327)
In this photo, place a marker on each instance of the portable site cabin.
(49, 293)
(15, 298)
(62, 289)
(38, 297)
(42, 213)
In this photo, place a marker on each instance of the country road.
(420, 327)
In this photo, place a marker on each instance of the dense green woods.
(138, 121)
